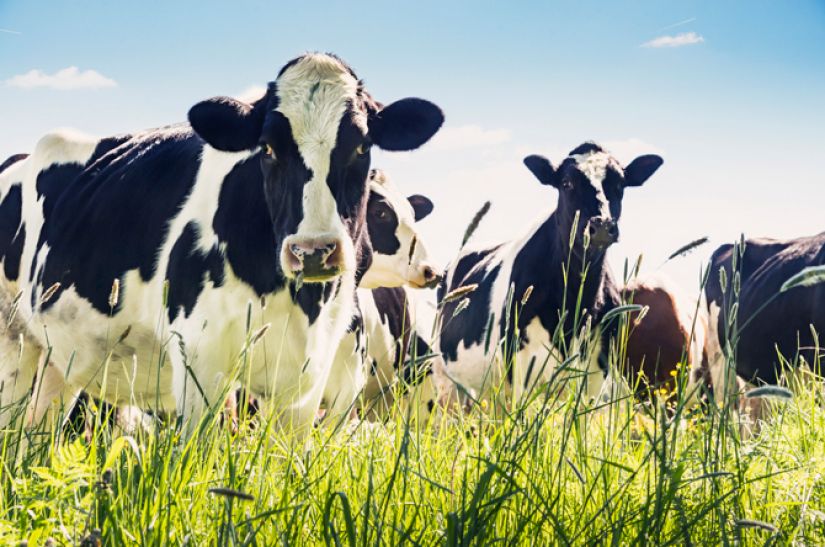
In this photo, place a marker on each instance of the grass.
(553, 470)
(553, 473)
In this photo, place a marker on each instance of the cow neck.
(554, 236)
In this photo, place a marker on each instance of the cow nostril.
(297, 250)
(329, 248)
(429, 274)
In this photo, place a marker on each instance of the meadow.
(555, 470)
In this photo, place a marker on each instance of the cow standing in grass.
(523, 309)
(761, 326)
(251, 215)
(669, 331)
(379, 339)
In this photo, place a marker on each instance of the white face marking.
(314, 95)
(398, 268)
(594, 166)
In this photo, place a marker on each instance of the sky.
(731, 94)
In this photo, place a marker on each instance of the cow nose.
(317, 259)
(603, 231)
(431, 277)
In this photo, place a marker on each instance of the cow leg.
(18, 366)
(50, 395)
(195, 390)
(425, 399)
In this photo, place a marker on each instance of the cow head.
(592, 182)
(398, 255)
(313, 130)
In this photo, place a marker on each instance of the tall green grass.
(551, 469)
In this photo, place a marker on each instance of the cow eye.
(363, 148)
(267, 150)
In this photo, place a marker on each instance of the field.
(554, 470)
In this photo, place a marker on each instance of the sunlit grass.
(554, 472)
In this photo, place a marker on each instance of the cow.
(398, 255)
(750, 316)
(178, 242)
(378, 339)
(387, 348)
(670, 331)
(505, 330)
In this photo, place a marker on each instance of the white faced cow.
(378, 340)
(496, 338)
(260, 203)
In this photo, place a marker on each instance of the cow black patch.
(312, 296)
(382, 224)
(469, 326)
(393, 309)
(11, 160)
(112, 217)
(348, 174)
(187, 271)
(242, 222)
(586, 148)
(770, 323)
(755, 254)
(12, 234)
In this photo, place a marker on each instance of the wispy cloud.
(469, 136)
(9, 31)
(677, 24)
(679, 40)
(69, 78)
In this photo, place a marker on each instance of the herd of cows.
(255, 246)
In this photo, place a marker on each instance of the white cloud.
(64, 79)
(468, 136)
(9, 31)
(679, 40)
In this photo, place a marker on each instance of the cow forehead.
(382, 186)
(594, 166)
(314, 94)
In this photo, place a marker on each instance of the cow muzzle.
(315, 259)
(426, 277)
(603, 232)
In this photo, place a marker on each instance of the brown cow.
(670, 330)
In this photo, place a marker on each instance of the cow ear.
(641, 168)
(405, 124)
(422, 206)
(542, 169)
(228, 124)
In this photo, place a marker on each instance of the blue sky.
(737, 111)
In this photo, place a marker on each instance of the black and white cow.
(260, 203)
(520, 347)
(399, 257)
(378, 341)
(783, 326)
